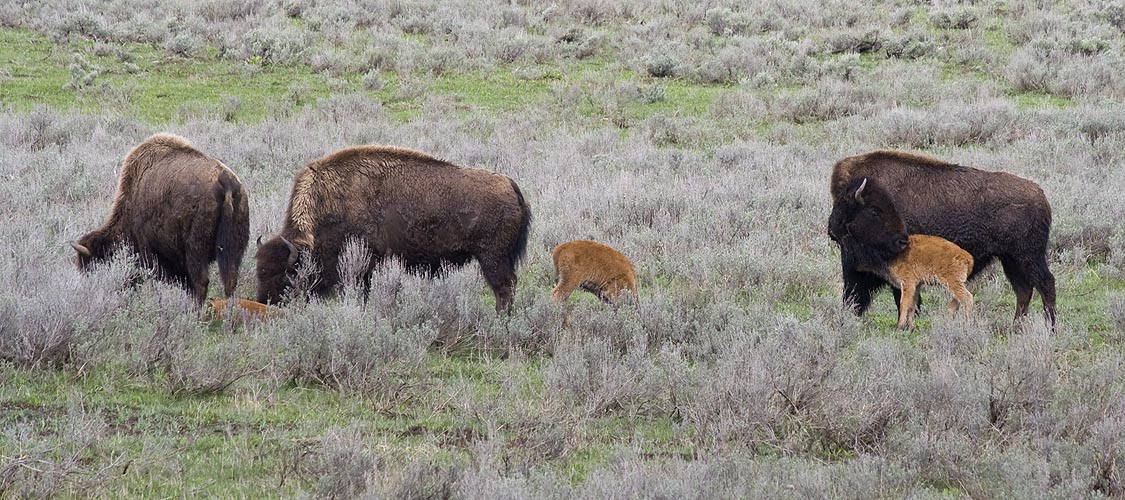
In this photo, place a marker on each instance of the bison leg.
(612, 294)
(502, 279)
(1017, 276)
(198, 281)
(858, 287)
(962, 299)
(564, 288)
(197, 277)
(1044, 281)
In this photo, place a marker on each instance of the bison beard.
(400, 203)
(989, 214)
(178, 210)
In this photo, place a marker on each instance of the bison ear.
(81, 249)
(292, 251)
(859, 192)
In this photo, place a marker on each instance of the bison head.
(865, 215)
(276, 262)
(90, 249)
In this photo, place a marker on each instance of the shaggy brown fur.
(243, 310)
(178, 210)
(928, 259)
(404, 204)
(988, 214)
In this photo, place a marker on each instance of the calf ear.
(81, 249)
(859, 191)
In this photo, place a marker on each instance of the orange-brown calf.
(596, 268)
(245, 309)
(929, 259)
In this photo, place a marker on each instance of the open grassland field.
(695, 137)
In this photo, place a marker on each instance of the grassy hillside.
(696, 138)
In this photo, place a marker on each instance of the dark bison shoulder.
(924, 186)
(898, 163)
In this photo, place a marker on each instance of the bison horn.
(80, 249)
(292, 251)
(859, 192)
(259, 240)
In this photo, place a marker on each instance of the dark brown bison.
(178, 210)
(989, 214)
(402, 203)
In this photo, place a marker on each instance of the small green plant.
(660, 65)
(82, 73)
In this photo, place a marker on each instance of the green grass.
(499, 91)
(1035, 99)
(157, 87)
(243, 442)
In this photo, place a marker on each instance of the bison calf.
(596, 268)
(928, 259)
(243, 309)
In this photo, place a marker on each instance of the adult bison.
(178, 210)
(989, 214)
(401, 203)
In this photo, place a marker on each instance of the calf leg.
(906, 308)
(612, 294)
(563, 289)
(962, 299)
(566, 285)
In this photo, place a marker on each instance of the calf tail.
(232, 233)
(519, 250)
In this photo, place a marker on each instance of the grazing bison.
(989, 214)
(401, 203)
(178, 210)
(597, 268)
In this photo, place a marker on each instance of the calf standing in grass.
(874, 240)
(596, 268)
(927, 259)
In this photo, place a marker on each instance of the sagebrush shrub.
(339, 345)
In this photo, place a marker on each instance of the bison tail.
(232, 235)
(518, 250)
